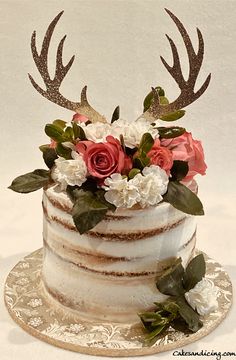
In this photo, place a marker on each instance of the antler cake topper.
(156, 110)
(52, 85)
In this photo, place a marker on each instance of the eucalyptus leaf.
(170, 132)
(133, 172)
(191, 317)
(183, 199)
(150, 316)
(179, 170)
(49, 157)
(170, 282)
(100, 194)
(60, 123)
(31, 181)
(153, 334)
(62, 151)
(54, 132)
(116, 114)
(78, 132)
(149, 98)
(146, 143)
(87, 211)
(68, 134)
(171, 307)
(194, 272)
(43, 148)
(173, 116)
(141, 162)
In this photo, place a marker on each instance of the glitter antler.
(187, 95)
(52, 85)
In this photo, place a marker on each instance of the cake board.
(33, 310)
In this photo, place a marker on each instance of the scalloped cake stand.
(33, 310)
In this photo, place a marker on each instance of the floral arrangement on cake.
(106, 165)
(121, 164)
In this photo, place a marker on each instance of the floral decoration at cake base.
(42, 317)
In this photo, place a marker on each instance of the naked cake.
(120, 200)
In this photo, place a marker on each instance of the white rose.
(69, 172)
(151, 185)
(120, 192)
(133, 131)
(96, 132)
(203, 297)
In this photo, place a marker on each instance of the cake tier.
(109, 273)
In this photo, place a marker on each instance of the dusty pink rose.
(104, 159)
(82, 146)
(79, 118)
(185, 148)
(161, 156)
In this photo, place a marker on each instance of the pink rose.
(104, 159)
(79, 118)
(185, 148)
(161, 156)
(82, 146)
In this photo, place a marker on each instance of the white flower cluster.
(132, 131)
(69, 172)
(144, 189)
(203, 297)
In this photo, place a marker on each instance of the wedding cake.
(120, 201)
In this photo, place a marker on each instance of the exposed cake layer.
(110, 271)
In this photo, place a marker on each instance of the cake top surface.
(106, 165)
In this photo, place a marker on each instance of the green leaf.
(194, 272)
(179, 170)
(171, 307)
(100, 195)
(68, 134)
(87, 211)
(141, 162)
(43, 148)
(54, 132)
(146, 143)
(133, 172)
(31, 181)
(170, 282)
(78, 132)
(191, 318)
(173, 116)
(170, 132)
(49, 157)
(163, 100)
(183, 199)
(116, 114)
(151, 316)
(60, 123)
(149, 98)
(63, 151)
(153, 334)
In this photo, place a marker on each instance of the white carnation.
(133, 131)
(151, 185)
(121, 192)
(203, 297)
(96, 132)
(69, 172)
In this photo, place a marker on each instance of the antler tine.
(175, 70)
(52, 85)
(62, 70)
(187, 95)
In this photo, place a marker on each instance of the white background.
(117, 45)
